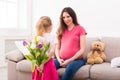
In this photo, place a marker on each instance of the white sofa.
(20, 69)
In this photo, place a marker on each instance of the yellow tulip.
(35, 38)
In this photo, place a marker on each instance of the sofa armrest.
(14, 55)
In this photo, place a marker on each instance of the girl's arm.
(51, 52)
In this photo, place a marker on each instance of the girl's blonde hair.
(43, 23)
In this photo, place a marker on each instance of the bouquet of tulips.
(38, 48)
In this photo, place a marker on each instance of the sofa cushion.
(82, 73)
(112, 47)
(104, 72)
(14, 55)
(24, 65)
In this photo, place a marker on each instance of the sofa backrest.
(89, 41)
(112, 47)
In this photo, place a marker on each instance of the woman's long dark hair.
(62, 25)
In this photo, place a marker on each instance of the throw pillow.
(21, 47)
(115, 62)
(14, 55)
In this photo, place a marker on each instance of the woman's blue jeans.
(71, 68)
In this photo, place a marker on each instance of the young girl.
(46, 70)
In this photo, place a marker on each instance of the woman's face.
(67, 19)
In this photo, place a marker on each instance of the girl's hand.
(40, 68)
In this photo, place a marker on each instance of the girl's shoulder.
(50, 37)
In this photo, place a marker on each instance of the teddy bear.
(96, 55)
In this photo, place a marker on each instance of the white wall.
(99, 17)
(8, 36)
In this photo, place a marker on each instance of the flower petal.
(24, 43)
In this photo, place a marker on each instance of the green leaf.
(39, 59)
(33, 64)
(31, 51)
(45, 57)
(37, 54)
(47, 46)
(29, 57)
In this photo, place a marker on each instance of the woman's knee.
(74, 66)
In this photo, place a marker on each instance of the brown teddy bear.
(96, 55)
